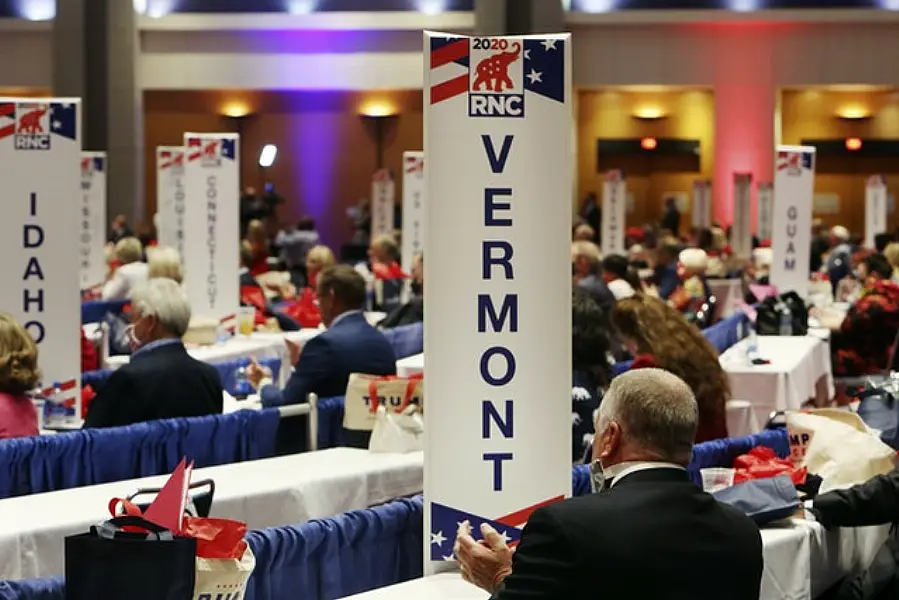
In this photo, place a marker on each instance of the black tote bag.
(111, 564)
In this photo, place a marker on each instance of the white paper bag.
(223, 577)
(397, 432)
(837, 447)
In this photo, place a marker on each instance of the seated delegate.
(162, 381)
(19, 374)
(650, 532)
(350, 345)
(131, 271)
(412, 311)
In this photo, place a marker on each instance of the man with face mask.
(649, 532)
(162, 381)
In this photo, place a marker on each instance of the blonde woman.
(317, 259)
(891, 253)
(19, 374)
(164, 261)
(130, 270)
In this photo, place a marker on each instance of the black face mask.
(416, 288)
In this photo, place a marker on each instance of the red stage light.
(853, 144)
(649, 143)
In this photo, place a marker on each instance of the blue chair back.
(93, 311)
(407, 340)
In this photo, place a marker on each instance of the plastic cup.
(716, 478)
(246, 320)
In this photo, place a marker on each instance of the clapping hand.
(484, 563)
(256, 373)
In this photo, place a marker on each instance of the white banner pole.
(93, 219)
(170, 197)
(383, 203)
(741, 239)
(702, 204)
(766, 210)
(794, 186)
(212, 232)
(40, 145)
(499, 149)
(614, 206)
(413, 206)
(875, 208)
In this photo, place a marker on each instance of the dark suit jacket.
(349, 346)
(654, 535)
(159, 383)
(667, 279)
(600, 292)
(411, 312)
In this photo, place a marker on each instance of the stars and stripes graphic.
(876, 181)
(794, 162)
(26, 118)
(415, 165)
(614, 176)
(64, 119)
(7, 119)
(381, 175)
(91, 164)
(449, 68)
(170, 158)
(544, 68)
(445, 521)
(229, 148)
(210, 148)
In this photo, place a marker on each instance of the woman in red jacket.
(259, 244)
(660, 336)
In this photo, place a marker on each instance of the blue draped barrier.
(227, 369)
(323, 559)
(330, 422)
(366, 549)
(407, 340)
(727, 332)
(91, 456)
(716, 453)
(93, 311)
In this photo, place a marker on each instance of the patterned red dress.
(863, 343)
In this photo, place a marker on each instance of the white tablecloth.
(411, 365)
(264, 493)
(728, 293)
(258, 345)
(802, 560)
(799, 371)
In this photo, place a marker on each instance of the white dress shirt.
(125, 279)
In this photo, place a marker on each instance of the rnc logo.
(33, 127)
(497, 82)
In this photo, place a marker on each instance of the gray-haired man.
(650, 533)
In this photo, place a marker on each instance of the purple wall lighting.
(307, 6)
(32, 10)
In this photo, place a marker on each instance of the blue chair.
(407, 340)
(93, 311)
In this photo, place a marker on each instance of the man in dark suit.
(350, 345)
(671, 217)
(162, 381)
(586, 264)
(412, 311)
(665, 273)
(648, 533)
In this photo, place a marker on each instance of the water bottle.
(752, 345)
(786, 320)
(242, 385)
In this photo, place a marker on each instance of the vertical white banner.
(413, 206)
(93, 219)
(212, 223)
(170, 197)
(701, 210)
(765, 211)
(614, 205)
(741, 236)
(875, 208)
(40, 150)
(794, 186)
(499, 147)
(383, 203)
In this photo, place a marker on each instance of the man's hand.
(293, 351)
(256, 373)
(485, 563)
